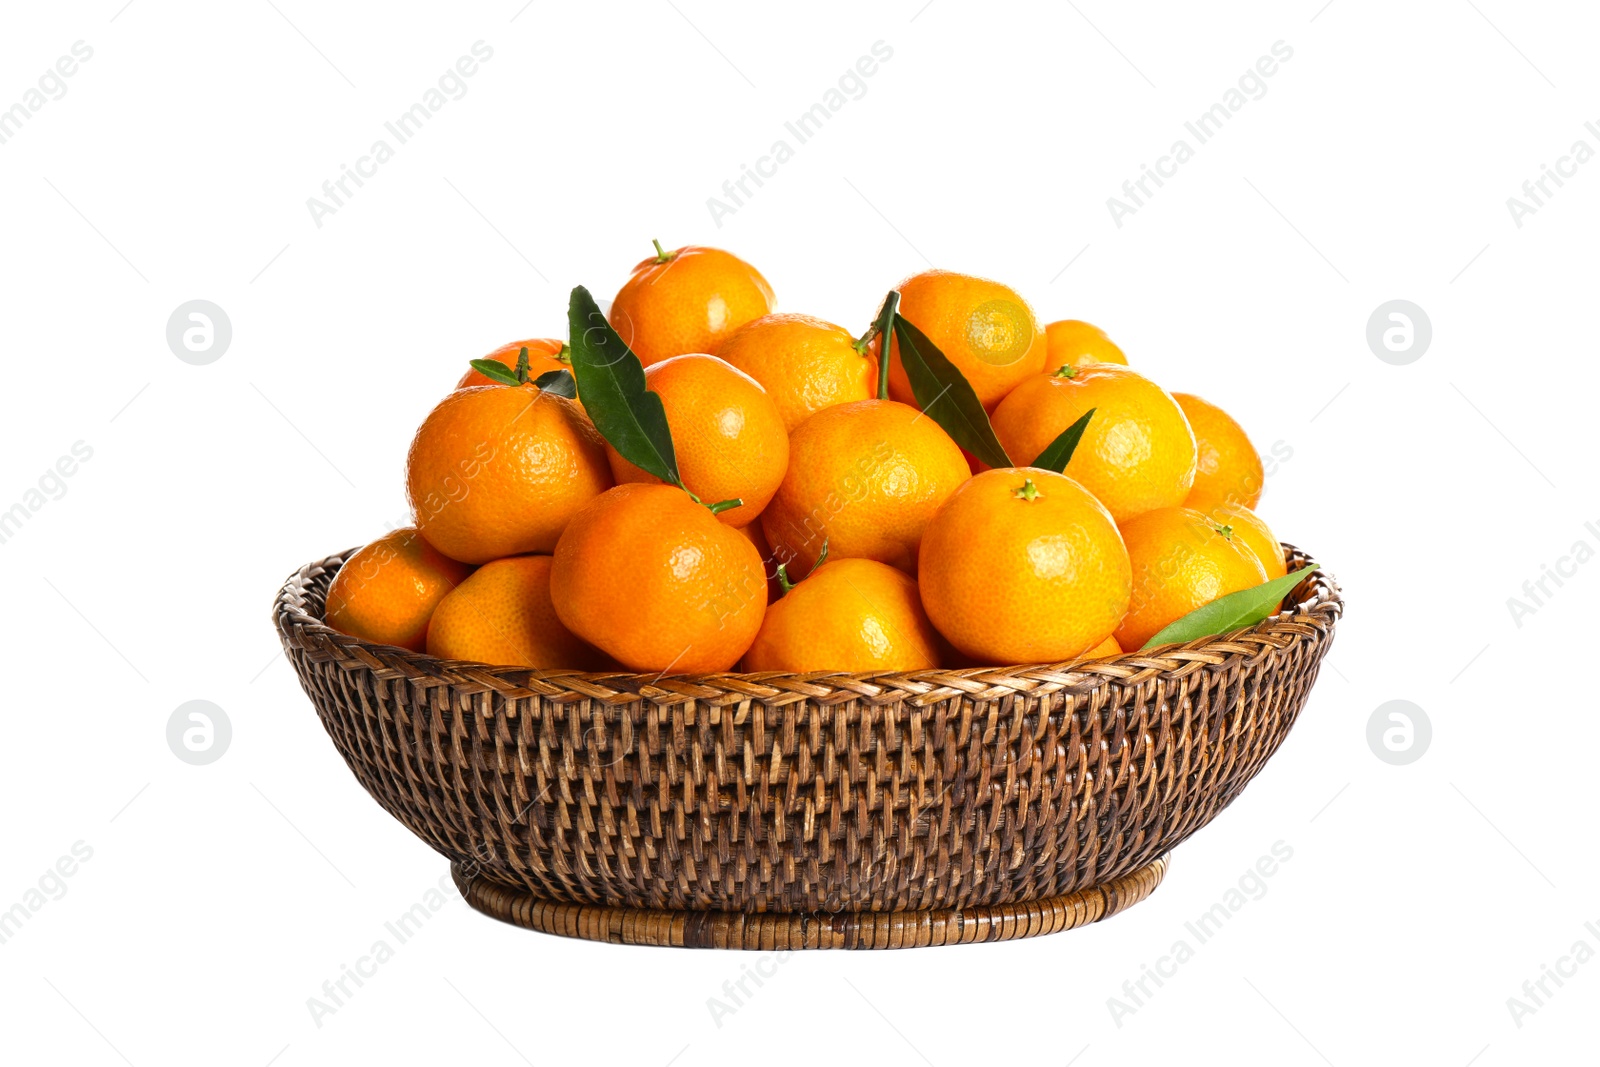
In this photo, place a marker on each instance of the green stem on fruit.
(1066, 370)
(661, 253)
(722, 505)
(1225, 531)
(521, 370)
(1028, 491)
(565, 355)
(782, 573)
(885, 328)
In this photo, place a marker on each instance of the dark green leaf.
(611, 379)
(883, 328)
(494, 369)
(558, 382)
(1232, 612)
(1059, 453)
(944, 393)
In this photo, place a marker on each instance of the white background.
(177, 166)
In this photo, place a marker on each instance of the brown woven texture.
(771, 931)
(937, 791)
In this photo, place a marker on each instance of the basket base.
(779, 931)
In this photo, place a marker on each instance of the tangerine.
(687, 301)
(386, 591)
(1023, 565)
(1248, 527)
(544, 354)
(651, 578)
(1073, 341)
(1181, 561)
(864, 478)
(726, 432)
(1104, 650)
(986, 329)
(804, 363)
(497, 470)
(502, 615)
(1227, 468)
(847, 615)
(1136, 454)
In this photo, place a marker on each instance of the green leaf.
(611, 379)
(558, 382)
(882, 328)
(944, 393)
(495, 370)
(1059, 452)
(1232, 612)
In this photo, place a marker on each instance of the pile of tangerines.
(694, 483)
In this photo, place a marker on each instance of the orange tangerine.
(986, 329)
(1073, 341)
(1181, 561)
(804, 364)
(497, 470)
(387, 590)
(848, 615)
(503, 615)
(1228, 468)
(864, 478)
(544, 354)
(650, 577)
(1023, 565)
(687, 300)
(1137, 452)
(726, 432)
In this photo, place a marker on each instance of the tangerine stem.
(661, 253)
(784, 584)
(885, 327)
(723, 505)
(822, 557)
(522, 366)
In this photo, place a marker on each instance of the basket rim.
(299, 629)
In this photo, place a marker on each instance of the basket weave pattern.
(808, 793)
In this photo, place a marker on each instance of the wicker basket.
(825, 810)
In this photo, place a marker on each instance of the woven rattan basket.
(809, 811)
